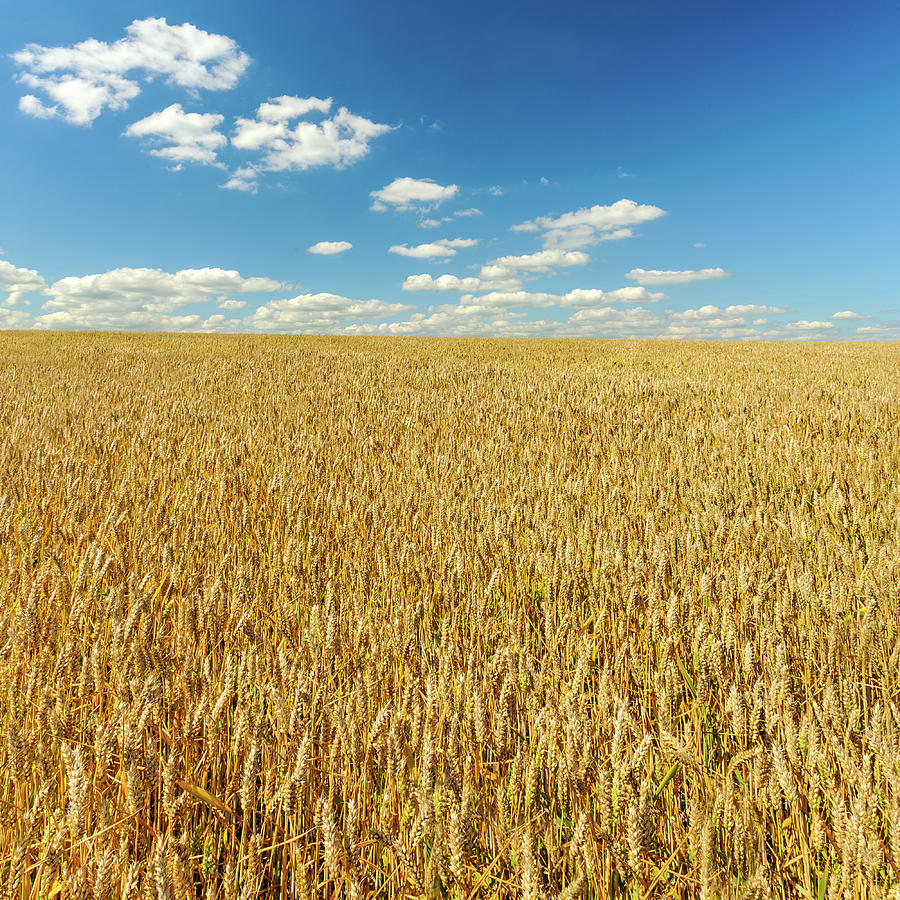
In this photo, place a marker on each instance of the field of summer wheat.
(379, 618)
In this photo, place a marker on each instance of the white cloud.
(806, 325)
(885, 331)
(506, 268)
(616, 234)
(704, 312)
(541, 261)
(590, 225)
(329, 248)
(141, 298)
(272, 118)
(755, 309)
(496, 191)
(478, 319)
(287, 107)
(711, 317)
(699, 244)
(670, 276)
(422, 251)
(32, 106)
(504, 273)
(729, 323)
(469, 284)
(151, 299)
(16, 282)
(82, 80)
(404, 194)
(244, 179)
(338, 141)
(583, 236)
(595, 313)
(14, 319)
(190, 137)
(579, 298)
(317, 312)
(441, 249)
(848, 314)
(447, 319)
(638, 317)
(632, 295)
(436, 223)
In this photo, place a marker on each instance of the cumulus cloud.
(712, 322)
(152, 299)
(739, 309)
(329, 248)
(542, 261)
(244, 179)
(704, 312)
(14, 319)
(141, 298)
(755, 309)
(462, 213)
(404, 194)
(670, 276)
(638, 317)
(530, 265)
(287, 107)
(422, 251)
(317, 312)
(807, 325)
(16, 282)
(885, 331)
(187, 137)
(80, 81)
(590, 225)
(579, 298)
(699, 244)
(505, 273)
(470, 284)
(285, 145)
(441, 249)
(447, 319)
(604, 321)
(592, 313)
(848, 314)
(480, 319)
(711, 316)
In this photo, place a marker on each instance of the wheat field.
(379, 618)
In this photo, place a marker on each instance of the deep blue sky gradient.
(768, 131)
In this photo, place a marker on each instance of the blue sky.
(646, 169)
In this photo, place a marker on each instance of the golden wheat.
(314, 617)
